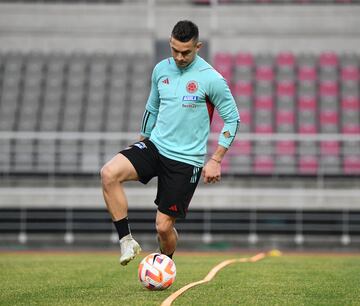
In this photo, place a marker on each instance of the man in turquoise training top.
(185, 89)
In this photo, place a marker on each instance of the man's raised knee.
(164, 227)
(107, 175)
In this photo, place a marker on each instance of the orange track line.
(169, 300)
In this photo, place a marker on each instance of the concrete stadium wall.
(132, 28)
(214, 197)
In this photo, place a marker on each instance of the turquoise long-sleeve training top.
(180, 106)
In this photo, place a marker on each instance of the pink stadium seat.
(328, 59)
(264, 73)
(264, 164)
(351, 164)
(329, 117)
(285, 147)
(223, 63)
(329, 147)
(328, 88)
(264, 102)
(308, 164)
(242, 147)
(351, 128)
(307, 128)
(350, 73)
(225, 59)
(225, 164)
(285, 117)
(306, 103)
(350, 103)
(217, 123)
(245, 116)
(243, 88)
(285, 59)
(285, 88)
(307, 73)
(265, 128)
(244, 59)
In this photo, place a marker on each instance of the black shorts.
(177, 181)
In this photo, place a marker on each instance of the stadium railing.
(252, 153)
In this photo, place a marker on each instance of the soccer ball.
(157, 271)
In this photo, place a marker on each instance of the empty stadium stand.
(300, 113)
(68, 93)
(305, 95)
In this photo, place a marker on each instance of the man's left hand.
(212, 172)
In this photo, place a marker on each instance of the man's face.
(184, 52)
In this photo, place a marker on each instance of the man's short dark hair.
(185, 30)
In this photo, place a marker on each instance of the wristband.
(218, 161)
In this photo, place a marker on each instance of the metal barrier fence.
(251, 154)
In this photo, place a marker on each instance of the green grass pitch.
(81, 278)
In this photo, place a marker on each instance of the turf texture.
(80, 278)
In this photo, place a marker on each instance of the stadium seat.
(308, 158)
(8, 108)
(307, 103)
(109, 148)
(23, 156)
(330, 157)
(328, 59)
(307, 74)
(264, 73)
(285, 157)
(5, 155)
(29, 109)
(216, 123)
(73, 108)
(11, 90)
(240, 157)
(243, 67)
(329, 121)
(68, 158)
(350, 103)
(285, 121)
(45, 156)
(263, 121)
(90, 156)
(94, 110)
(307, 121)
(285, 88)
(351, 164)
(223, 63)
(263, 157)
(350, 73)
(351, 157)
(264, 164)
(246, 121)
(328, 88)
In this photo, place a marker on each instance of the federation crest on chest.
(192, 86)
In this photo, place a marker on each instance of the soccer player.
(185, 89)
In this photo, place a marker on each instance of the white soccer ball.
(157, 271)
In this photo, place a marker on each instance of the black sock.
(122, 227)
(171, 255)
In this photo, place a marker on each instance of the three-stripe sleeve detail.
(145, 121)
(195, 174)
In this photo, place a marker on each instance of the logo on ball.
(157, 271)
